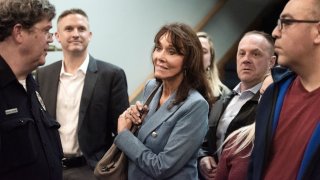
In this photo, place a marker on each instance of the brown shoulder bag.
(114, 165)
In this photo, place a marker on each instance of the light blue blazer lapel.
(156, 117)
(88, 87)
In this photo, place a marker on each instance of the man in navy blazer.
(84, 94)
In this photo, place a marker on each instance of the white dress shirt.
(68, 105)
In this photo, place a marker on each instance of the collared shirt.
(232, 110)
(68, 105)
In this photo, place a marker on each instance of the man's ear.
(90, 36)
(272, 61)
(56, 34)
(17, 33)
(317, 32)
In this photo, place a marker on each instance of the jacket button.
(154, 134)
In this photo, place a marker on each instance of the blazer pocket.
(18, 143)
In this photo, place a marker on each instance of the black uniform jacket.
(30, 146)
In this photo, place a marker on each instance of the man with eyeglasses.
(287, 142)
(30, 146)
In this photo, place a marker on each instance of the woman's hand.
(123, 122)
(208, 167)
(133, 115)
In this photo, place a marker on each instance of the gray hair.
(24, 12)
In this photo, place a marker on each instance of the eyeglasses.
(48, 34)
(282, 22)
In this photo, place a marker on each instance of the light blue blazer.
(167, 144)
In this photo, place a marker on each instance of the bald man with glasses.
(287, 142)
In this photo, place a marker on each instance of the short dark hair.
(186, 42)
(265, 35)
(24, 12)
(72, 11)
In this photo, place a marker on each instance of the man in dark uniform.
(30, 146)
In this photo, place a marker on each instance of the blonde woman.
(218, 88)
(234, 160)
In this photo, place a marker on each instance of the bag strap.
(149, 99)
(147, 102)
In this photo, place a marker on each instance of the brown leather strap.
(147, 102)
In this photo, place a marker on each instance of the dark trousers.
(78, 173)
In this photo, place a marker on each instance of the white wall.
(231, 22)
(123, 30)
